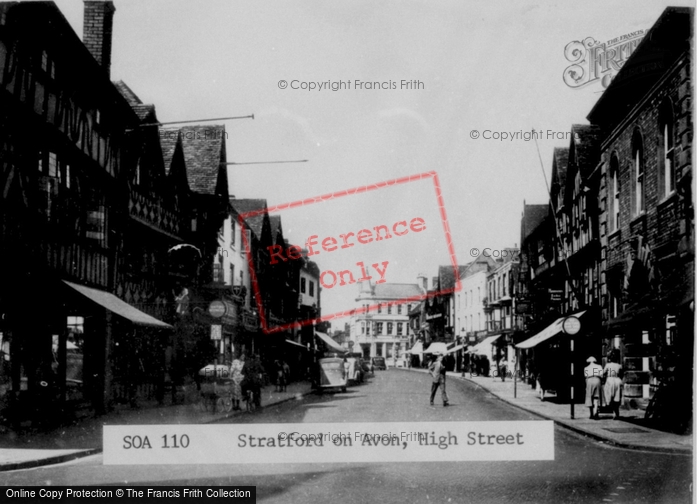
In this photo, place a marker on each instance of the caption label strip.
(68, 494)
(322, 443)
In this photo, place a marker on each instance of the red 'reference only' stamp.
(383, 233)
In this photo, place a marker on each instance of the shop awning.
(331, 342)
(297, 344)
(484, 348)
(417, 348)
(437, 348)
(549, 332)
(455, 349)
(117, 306)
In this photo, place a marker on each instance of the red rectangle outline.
(357, 190)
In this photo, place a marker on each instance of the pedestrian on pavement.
(594, 374)
(281, 380)
(253, 376)
(287, 371)
(346, 368)
(237, 377)
(503, 367)
(438, 371)
(612, 390)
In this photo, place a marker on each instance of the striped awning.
(549, 332)
(332, 344)
(117, 306)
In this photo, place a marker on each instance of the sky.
(472, 70)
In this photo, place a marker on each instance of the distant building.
(384, 330)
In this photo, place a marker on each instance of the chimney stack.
(97, 30)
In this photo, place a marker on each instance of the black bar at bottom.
(129, 494)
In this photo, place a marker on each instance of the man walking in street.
(438, 370)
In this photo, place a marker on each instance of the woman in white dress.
(594, 376)
(612, 389)
(237, 377)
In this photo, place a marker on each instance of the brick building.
(615, 246)
(647, 210)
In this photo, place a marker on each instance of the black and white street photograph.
(342, 252)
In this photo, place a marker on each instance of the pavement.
(84, 437)
(630, 431)
(33, 448)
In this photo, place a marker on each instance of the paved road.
(584, 470)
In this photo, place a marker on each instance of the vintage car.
(355, 373)
(332, 374)
(379, 363)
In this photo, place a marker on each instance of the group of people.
(603, 385)
(247, 375)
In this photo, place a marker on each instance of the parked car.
(355, 373)
(366, 365)
(332, 374)
(379, 363)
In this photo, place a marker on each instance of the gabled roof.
(127, 93)
(143, 111)
(533, 216)
(146, 113)
(275, 223)
(276, 226)
(584, 154)
(203, 147)
(255, 222)
(396, 290)
(560, 161)
(168, 143)
(481, 263)
(584, 148)
(446, 275)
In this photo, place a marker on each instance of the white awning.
(417, 348)
(297, 344)
(484, 348)
(549, 332)
(455, 349)
(437, 348)
(117, 306)
(331, 342)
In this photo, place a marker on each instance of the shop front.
(557, 355)
(86, 351)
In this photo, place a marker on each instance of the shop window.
(303, 285)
